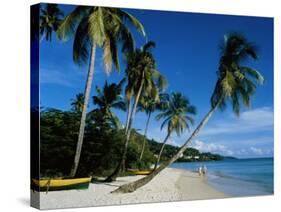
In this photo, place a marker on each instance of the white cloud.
(256, 151)
(229, 150)
(257, 120)
(212, 147)
(250, 135)
(54, 77)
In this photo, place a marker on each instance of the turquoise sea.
(237, 177)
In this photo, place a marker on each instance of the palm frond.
(68, 25)
(253, 73)
(96, 28)
(148, 46)
(114, 53)
(81, 43)
(107, 55)
(134, 21)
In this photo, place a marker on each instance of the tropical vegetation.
(176, 115)
(92, 140)
(94, 27)
(50, 19)
(235, 84)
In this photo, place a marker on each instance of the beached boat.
(60, 184)
(139, 172)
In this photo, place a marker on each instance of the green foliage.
(134, 149)
(103, 26)
(176, 113)
(58, 133)
(108, 98)
(50, 19)
(236, 82)
(78, 102)
(102, 148)
(141, 66)
(190, 154)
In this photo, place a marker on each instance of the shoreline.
(195, 187)
(170, 185)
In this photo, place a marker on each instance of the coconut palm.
(50, 19)
(94, 27)
(109, 97)
(77, 103)
(176, 117)
(235, 84)
(142, 77)
(149, 105)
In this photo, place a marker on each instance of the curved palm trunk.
(128, 116)
(131, 187)
(84, 112)
(114, 175)
(161, 151)
(144, 135)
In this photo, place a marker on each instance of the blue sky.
(187, 53)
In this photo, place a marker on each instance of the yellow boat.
(139, 172)
(60, 184)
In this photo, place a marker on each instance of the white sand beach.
(170, 185)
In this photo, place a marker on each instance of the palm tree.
(110, 97)
(235, 84)
(176, 118)
(94, 27)
(149, 105)
(77, 103)
(143, 77)
(50, 19)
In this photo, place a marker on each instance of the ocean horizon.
(237, 177)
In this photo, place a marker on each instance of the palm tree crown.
(147, 104)
(236, 82)
(141, 65)
(177, 114)
(102, 26)
(50, 19)
(110, 97)
(77, 103)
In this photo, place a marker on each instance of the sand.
(169, 185)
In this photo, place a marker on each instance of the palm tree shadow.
(97, 181)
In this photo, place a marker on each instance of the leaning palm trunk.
(131, 187)
(84, 112)
(144, 136)
(128, 115)
(114, 175)
(161, 151)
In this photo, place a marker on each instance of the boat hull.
(60, 184)
(139, 172)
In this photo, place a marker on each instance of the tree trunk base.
(131, 187)
(114, 175)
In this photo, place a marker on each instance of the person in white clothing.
(200, 170)
(204, 170)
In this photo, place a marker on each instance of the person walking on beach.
(204, 170)
(200, 170)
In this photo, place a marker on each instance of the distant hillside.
(189, 155)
